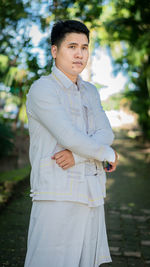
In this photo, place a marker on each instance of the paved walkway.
(127, 213)
(129, 236)
(128, 233)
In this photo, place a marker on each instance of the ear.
(54, 51)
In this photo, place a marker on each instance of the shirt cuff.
(110, 155)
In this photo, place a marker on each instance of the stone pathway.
(129, 236)
(128, 233)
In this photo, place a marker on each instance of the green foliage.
(15, 175)
(8, 181)
(3, 63)
(81, 10)
(114, 102)
(6, 137)
(19, 64)
(123, 26)
(128, 37)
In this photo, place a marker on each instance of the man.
(70, 137)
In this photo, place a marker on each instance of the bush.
(6, 137)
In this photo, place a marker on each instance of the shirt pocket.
(91, 121)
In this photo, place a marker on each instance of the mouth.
(78, 63)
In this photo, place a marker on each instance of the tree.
(124, 27)
(19, 65)
(128, 37)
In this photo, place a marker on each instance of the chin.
(78, 71)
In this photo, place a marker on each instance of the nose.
(79, 53)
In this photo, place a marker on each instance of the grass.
(9, 180)
(15, 175)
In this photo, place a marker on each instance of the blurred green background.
(120, 27)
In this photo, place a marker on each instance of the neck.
(73, 78)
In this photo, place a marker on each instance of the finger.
(61, 165)
(61, 160)
(61, 153)
(58, 155)
(66, 167)
(106, 170)
(112, 169)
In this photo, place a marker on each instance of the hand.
(113, 164)
(64, 159)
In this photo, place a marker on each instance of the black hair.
(61, 28)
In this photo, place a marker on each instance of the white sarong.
(66, 234)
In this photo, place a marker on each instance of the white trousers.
(66, 234)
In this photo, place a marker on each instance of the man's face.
(72, 55)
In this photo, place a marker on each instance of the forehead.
(79, 38)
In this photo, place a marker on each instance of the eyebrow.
(77, 44)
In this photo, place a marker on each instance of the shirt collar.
(80, 81)
(64, 80)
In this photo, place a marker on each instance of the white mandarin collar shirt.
(47, 104)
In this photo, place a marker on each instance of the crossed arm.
(45, 106)
(65, 160)
(103, 134)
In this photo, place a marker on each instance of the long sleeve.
(103, 133)
(45, 106)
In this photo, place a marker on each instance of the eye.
(72, 46)
(85, 48)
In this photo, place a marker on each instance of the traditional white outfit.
(67, 223)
